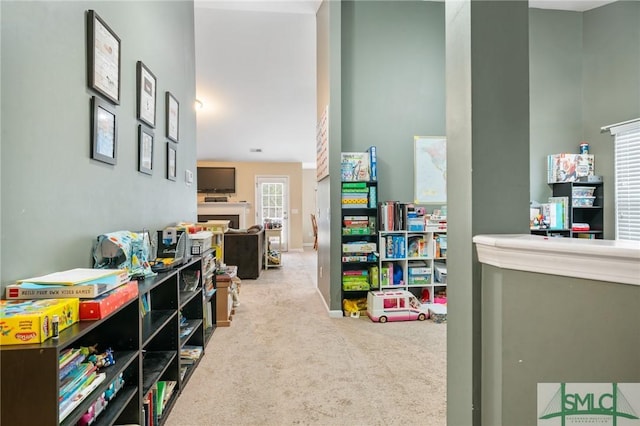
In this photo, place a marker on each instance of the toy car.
(395, 305)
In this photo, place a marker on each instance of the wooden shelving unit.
(146, 349)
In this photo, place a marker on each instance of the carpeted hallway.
(283, 361)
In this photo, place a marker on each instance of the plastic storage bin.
(583, 201)
(582, 191)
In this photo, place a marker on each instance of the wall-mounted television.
(217, 180)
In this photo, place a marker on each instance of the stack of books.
(358, 225)
(74, 283)
(355, 195)
(355, 280)
(77, 380)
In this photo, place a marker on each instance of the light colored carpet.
(283, 361)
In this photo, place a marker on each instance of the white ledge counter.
(604, 260)
(554, 310)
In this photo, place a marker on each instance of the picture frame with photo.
(103, 58)
(104, 131)
(172, 161)
(145, 150)
(146, 84)
(173, 117)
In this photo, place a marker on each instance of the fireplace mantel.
(220, 208)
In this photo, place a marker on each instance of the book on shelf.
(373, 197)
(190, 353)
(79, 276)
(373, 163)
(68, 361)
(553, 215)
(165, 389)
(46, 288)
(354, 186)
(564, 202)
(354, 166)
(145, 304)
(72, 403)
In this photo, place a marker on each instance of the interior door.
(272, 205)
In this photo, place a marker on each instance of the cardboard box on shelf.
(30, 321)
(103, 305)
(569, 167)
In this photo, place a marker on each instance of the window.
(627, 176)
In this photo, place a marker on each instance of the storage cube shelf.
(585, 201)
(408, 260)
(359, 237)
(146, 337)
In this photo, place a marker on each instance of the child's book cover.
(354, 166)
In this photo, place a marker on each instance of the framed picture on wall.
(146, 95)
(145, 150)
(103, 57)
(430, 169)
(173, 115)
(172, 172)
(104, 131)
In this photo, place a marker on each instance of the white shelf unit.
(418, 254)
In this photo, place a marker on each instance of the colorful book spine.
(373, 197)
(373, 164)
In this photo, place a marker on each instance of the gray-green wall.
(55, 199)
(611, 78)
(585, 74)
(555, 66)
(392, 84)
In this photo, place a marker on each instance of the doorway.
(272, 205)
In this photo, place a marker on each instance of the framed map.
(430, 169)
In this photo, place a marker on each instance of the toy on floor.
(395, 305)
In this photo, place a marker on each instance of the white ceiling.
(256, 76)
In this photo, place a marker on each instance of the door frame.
(286, 227)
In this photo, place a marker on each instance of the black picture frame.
(103, 58)
(104, 131)
(172, 161)
(146, 88)
(145, 149)
(172, 107)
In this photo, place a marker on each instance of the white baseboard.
(332, 314)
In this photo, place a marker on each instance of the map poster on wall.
(430, 169)
(322, 146)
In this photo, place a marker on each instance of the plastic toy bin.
(583, 201)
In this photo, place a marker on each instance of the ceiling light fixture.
(198, 104)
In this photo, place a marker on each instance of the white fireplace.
(227, 209)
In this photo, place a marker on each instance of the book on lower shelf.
(189, 354)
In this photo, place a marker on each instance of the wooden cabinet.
(146, 349)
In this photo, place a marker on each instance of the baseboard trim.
(332, 314)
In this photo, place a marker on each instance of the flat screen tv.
(217, 180)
